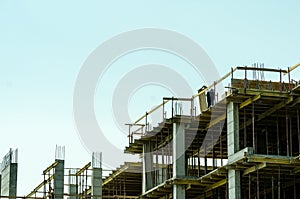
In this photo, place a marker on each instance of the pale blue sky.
(44, 43)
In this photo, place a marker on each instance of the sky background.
(43, 45)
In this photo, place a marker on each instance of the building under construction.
(236, 138)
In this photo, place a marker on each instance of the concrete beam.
(240, 155)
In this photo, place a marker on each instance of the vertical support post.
(59, 179)
(199, 163)
(287, 133)
(279, 186)
(96, 175)
(295, 194)
(280, 84)
(0, 181)
(163, 110)
(162, 159)
(298, 129)
(9, 172)
(249, 187)
(172, 108)
(205, 160)
(234, 177)
(156, 163)
(289, 76)
(72, 184)
(273, 188)
(147, 166)
(253, 129)
(278, 139)
(146, 123)
(245, 80)
(257, 184)
(245, 128)
(267, 141)
(221, 145)
(291, 136)
(179, 159)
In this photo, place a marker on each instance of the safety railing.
(209, 96)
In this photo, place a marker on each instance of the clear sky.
(43, 45)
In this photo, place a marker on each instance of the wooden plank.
(254, 168)
(50, 167)
(250, 101)
(294, 67)
(216, 121)
(82, 169)
(35, 190)
(151, 111)
(266, 93)
(274, 109)
(216, 185)
(269, 159)
(262, 69)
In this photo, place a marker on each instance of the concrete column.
(72, 191)
(234, 177)
(178, 159)
(9, 180)
(59, 179)
(0, 182)
(147, 166)
(97, 183)
(72, 184)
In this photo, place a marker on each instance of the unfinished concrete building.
(244, 144)
(236, 138)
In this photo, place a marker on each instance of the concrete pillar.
(72, 184)
(178, 159)
(234, 177)
(97, 183)
(97, 175)
(9, 180)
(72, 191)
(59, 179)
(147, 166)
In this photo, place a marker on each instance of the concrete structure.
(9, 173)
(72, 184)
(234, 176)
(59, 179)
(244, 144)
(97, 183)
(96, 176)
(179, 159)
(147, 166)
